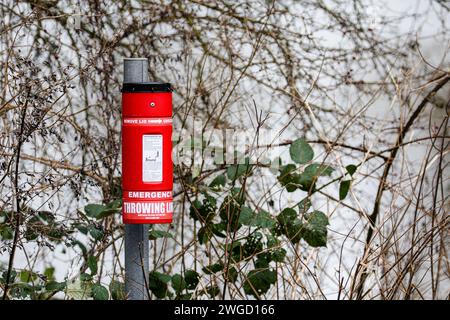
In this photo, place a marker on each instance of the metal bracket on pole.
(136, 235)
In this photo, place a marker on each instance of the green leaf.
(186, 296)
(343, 189)
(263, 260)
(78, 289)
(253, 245)
(287, 216)
(49, 273)
(218, 182)
(94, 210)
(304, 205)
(351, 169)
(163, 277)
(55, 286)
(293, 231)
(92, 264)
(79, 244)
(33, 225)
(318, 169)
(218, 229)
(246, 217)
(290, 226)
(117, 290)
(315, 230)
(85, 277)
(99, 292)
(191, 277)
(95, 232)
(46, 216)
(236, 251)
(264, 220)
(288, 178)
(214, 268)
(155, 234)
(55, 233)
(178, 283)
(6, 233)
(212, 291)
(194, 210)
(203, 211)
(272, 241)
(278, 255)
(27, 276)
(203, 235)
(99, 211)
(286, 170)
(114, 205)
(83, 228)
(301, 152)
(258, 282)
(12, 276)
(236, 171)
(157, 283)
(232, 274)
(25, 290)
(309, 176)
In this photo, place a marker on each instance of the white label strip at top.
(147, 121)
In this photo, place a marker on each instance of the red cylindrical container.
(147, 170)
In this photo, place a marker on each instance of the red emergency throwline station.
(147, 170)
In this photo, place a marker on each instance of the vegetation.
(347, 200)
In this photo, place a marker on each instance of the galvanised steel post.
(136, 235)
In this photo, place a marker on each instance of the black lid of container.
(147, 87)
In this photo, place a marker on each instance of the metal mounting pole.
(136, 235)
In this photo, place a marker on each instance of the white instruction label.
(152, 153)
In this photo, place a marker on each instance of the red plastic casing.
(146, 114)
